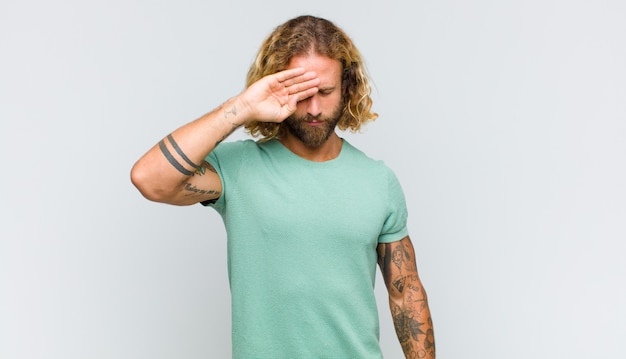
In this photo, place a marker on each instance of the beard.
(312, 136)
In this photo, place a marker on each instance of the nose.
(313, 106)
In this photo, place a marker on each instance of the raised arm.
(407, 299)
(174, 170)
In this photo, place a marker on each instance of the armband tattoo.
(180, 152)
(174, 162)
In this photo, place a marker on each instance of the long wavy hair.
(301, 36)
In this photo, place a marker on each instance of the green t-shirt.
(302, 240)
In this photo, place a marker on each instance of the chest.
(320, 203)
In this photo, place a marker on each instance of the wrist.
(236, 112)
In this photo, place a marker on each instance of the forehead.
(328, 70)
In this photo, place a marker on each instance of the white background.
(505, 122)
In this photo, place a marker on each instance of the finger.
(304, 94)
(307, 76)
(288, 74)
(303, 86)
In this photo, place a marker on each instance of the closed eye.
(326, 91)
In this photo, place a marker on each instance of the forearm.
(412, 319)
(407, 299)
(164, 172)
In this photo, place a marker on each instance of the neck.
(325, 152)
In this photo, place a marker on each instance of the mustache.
(308, 118)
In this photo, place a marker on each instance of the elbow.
(140, 178)
(151, 184)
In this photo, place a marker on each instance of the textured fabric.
(302, 240)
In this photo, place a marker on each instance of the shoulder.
(360, 159)
(234, 145)
(233, 149)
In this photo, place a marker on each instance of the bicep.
(397, 264)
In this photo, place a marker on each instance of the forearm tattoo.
(228, 113)
(197, 169)
(231, 111)
(408, 300)
(414, 327)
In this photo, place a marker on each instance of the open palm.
(274, 97)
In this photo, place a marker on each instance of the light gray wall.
(504, 120)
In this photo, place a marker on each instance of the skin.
(407, 299)
(271, 99)
(325, 103)
(308, 94)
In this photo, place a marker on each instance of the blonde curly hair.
(300, 36)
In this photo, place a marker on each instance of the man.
(307, 215)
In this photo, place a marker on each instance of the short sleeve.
(226, 158)
(395, 226)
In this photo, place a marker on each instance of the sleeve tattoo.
(407, 299)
